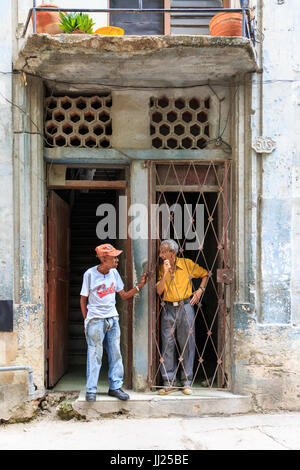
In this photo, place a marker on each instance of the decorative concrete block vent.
(78, 122)
(179, 123)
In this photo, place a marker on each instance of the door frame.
(226, 287)
(92, 185)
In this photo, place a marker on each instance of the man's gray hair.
(173, 246)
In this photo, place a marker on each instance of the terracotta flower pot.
(47, 21)
(226, 24)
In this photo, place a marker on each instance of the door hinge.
(224, 275)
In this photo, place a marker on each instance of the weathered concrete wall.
(266, 361)
(266, 332)
(25, 345)
(6, 162)
(29, 204)
(266, 316)
(131, 118)
(8, 340)
(135, 61)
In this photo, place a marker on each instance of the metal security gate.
(193, 206)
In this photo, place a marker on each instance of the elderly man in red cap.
(101, 320)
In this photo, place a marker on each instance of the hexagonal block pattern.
(179, 123)
(79, 121)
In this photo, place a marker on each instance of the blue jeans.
(103, 332)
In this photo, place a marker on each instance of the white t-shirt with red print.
(101, 292)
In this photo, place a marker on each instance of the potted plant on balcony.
(228, 23)
(110, 31)
(47, 21)
(76, 23)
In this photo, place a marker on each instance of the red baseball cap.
(107, 249)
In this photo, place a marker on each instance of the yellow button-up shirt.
(178, 286)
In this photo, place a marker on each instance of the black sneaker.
(90, 396)
(119, 393)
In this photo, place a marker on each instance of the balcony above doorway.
(90, 61)
(151, 61)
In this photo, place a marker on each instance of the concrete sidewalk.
(276, 431)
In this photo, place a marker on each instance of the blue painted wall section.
(6, 168)
(276, 256)
(243, 316)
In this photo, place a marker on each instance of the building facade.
(92, 124)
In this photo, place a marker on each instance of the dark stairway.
(82, 256)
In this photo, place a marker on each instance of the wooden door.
(58, 287)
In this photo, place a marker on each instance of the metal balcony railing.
(247, 24)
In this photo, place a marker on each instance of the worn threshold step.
(203, 402)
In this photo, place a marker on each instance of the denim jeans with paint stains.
(104, 333)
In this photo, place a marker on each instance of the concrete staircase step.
(77, 343)
(76, 328)
(77, 359)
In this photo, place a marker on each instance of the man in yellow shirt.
(174, 283)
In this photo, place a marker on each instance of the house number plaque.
(264, 145)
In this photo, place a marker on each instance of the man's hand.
(161, 285)
(196, 297)
(167, 266)
(143, 280)
(127, 295)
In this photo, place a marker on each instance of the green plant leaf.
(72, 21)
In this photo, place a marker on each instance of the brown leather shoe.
(167, 390)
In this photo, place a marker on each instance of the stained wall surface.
(265, 331)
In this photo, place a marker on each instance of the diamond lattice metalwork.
(206, 184)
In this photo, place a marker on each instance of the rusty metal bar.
(34, 17)
(225, 213)
(149, 199)
(200, 10)
(188, 188)
(243, 23)
(144, 10)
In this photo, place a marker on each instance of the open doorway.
(72, 238)
(198, 198)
